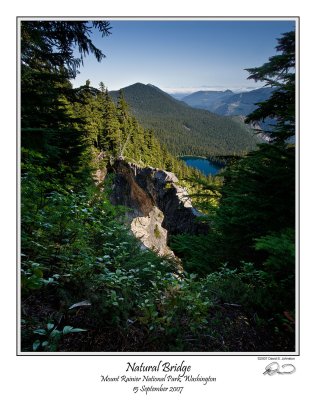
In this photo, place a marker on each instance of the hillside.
(183, 129)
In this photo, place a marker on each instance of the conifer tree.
(48, 61)
(111, 135)
(278, 73)
(123, 117)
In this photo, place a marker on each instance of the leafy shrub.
(51, 336)
(177, 308)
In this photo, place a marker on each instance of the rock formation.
(149, 231)
(156, 204)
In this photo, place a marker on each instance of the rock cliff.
(157, 205)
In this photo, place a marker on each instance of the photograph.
(158, 186)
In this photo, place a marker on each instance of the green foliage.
(258, 197)
(279, 263)
(181, 308)
(195, 252)
(51, 336)
(205, 192)
(280, 247)
(32, 276)
(79, 240)
(247, 287)
(58, 225)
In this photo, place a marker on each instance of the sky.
(182, 56)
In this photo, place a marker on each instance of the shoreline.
(214, 159)
(188, 155)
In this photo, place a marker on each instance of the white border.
(33, 378)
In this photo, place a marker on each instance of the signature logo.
(274, 368)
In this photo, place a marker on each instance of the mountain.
(241, 103)
(179, 95)
(205, 98)
(229, 103)
(226, 102)
(187, 130)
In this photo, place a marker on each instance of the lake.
(205, 166)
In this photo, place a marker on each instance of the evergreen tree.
(47, 64)
(279, 73)
(123, 117)
(258, 198)
(49, 45)
(111, 135)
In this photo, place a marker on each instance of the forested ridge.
(186, 130)
(86, 282)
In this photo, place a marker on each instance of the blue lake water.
(205, 166)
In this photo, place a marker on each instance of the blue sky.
(183, 56)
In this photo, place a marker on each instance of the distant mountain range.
(231, 104)
(187, 130)
(226, 102)
(205, 99)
